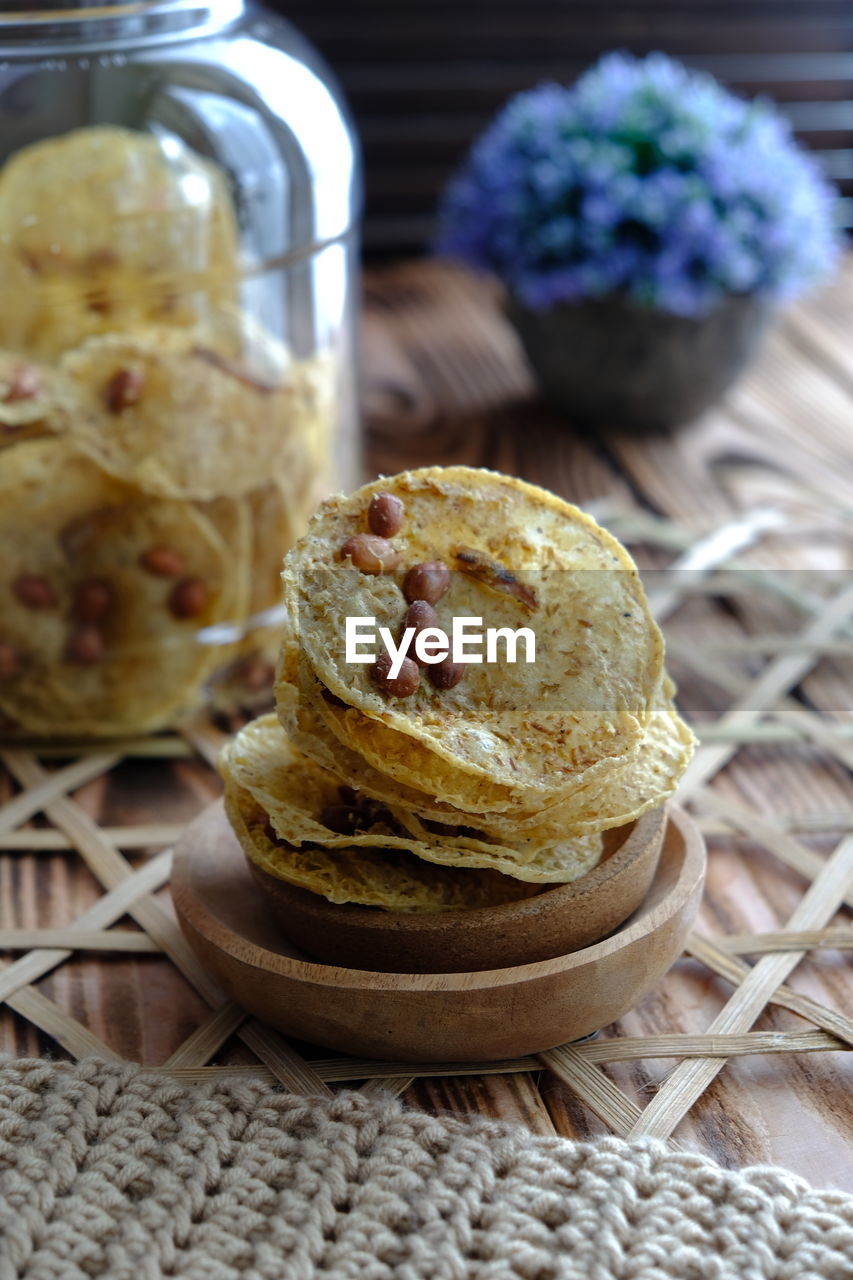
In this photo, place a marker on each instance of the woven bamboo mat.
(742, 527)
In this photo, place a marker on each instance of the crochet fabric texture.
(108, 1170)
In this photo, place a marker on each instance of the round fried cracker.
(522, 558)
(104, 229)
(648, 772)
(198, 422)
(65, 524)
(610, 793)
(392, 880)
(604, 798)
(299, 796)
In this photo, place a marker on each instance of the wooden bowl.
(426, 1017)
(556, 921)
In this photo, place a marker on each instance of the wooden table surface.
(753, 504)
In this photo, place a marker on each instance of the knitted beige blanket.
(107, 1170)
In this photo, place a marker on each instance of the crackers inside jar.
(105, 229)
(114, 600)
(179, 417)
(123, 328)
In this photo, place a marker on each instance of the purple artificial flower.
(645, 180)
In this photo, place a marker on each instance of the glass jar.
(179, 194)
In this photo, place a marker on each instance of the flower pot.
(609, 364)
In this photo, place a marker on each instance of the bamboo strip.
(208, 1038)
(206, 740)
(620, 1049)
(381, 1086)
(637, 527)
(254, 1072)
(804, 823)
(77, 940)
(48, 840)
(617, 1050)
(705, 554)
(685, 1045)
(770, 731)
(67, 1031)
(597, 1054)
(594, 1088)
(738, 577)
(824, 733)
(775, 644)
(51, 785)
(344, 1070)
(776, 679)
(787, 588)
(287, 1066)
(109, 908)
(690, 1079)
(734, 970)
(756, 944)
(788, 850)
(728, 681)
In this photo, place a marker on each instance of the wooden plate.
(562, 919)
(429, 1017)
